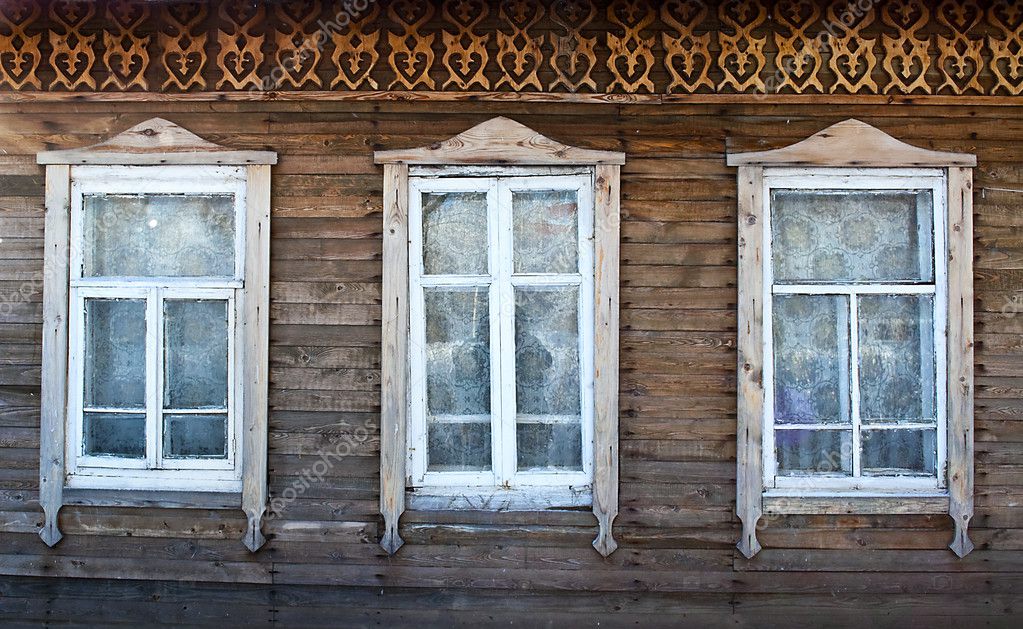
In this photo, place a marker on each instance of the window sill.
(497, 499)
(838, 503)
(152, 498)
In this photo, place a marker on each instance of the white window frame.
(156, 156)
(154, 472)
(522, 488)
(811, 179)
(849, 147)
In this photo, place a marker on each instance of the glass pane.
(852, 236)
(892, 452)
(458, 377)
(195, 436)
(546, 231)
(195, 364)
(813, 452)
(897, 358)
(115, 434)
(455, 233)
(547, 351)
(458, 446)
(115, 353)
(811, 359)
(549, 446)
(547, 378)
(159, 235)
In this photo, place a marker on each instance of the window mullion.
(505, 459)
(854, 371)
(154, 335)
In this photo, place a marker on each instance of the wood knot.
(751, 220)
(149, 132)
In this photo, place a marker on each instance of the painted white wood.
(500, 284)
(218, 475)
(862, 179)
(156, 157)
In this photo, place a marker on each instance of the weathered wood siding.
(678, 314)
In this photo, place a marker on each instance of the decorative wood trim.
(153, 143)
(500, 141)
(53, 401)
(394, 357)
(157, 142)
(607, 226)
(891, 47)
(960, 355)
(854, 144)
(750, 399)
(854, 141)
(256, 335)
(844, 505)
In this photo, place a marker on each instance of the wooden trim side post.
(749, 486)
(256, 335)
(607, 228)
(960, 355)
(53, 402)
(394, 357)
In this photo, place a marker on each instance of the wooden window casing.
(852, 147)
(180, 162)
(498, 147)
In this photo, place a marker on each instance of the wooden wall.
(677, 560)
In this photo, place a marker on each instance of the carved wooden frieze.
(183, 45)
(742, 50)
(574, 55)
(241, 49)
(411, 49)
(125, 54)
(852, 60)
(907, 56)
(641, 47)
(632, 55)
(19, 52)
(960, 56)
(1006, 45)
(799, 58)
(355, 51)
(298, 45)
(687, 54)
(519, 52)
(71, 55)
(465, 51)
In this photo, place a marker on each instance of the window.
(156, 287)
(155, 325)
(500, 327)
(501, 347)
(854, 320)
(855, 316)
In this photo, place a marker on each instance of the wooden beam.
(55, 348)
(605, 381)
(422, 96)
(960, 355)
(256, 338)
(394, 355)
(852, 143)
(749, 484)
